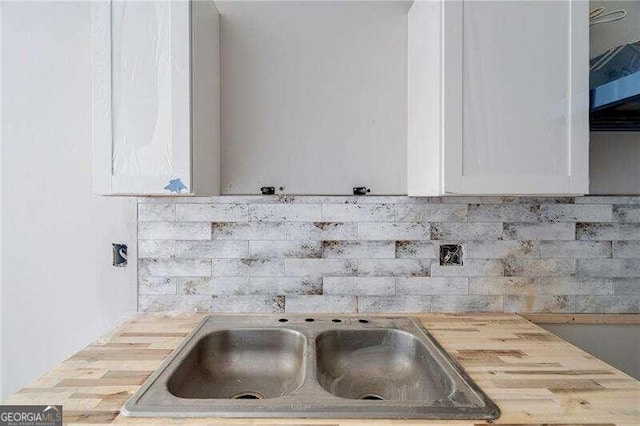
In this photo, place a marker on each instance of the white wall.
(59, 290)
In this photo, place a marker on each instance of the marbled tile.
(608, 304)
(357, 212)
(285, 212)
(239, 304)
(247, 230)
(608, 200)
(212, 212)
(320, 267)
(466, 231)
(197, 285)
(394, 231)
(262, 199)
(625, 213)
(286, 285)
(174, 268)
(358, 249)
(250, 286)
(156, 248)
(572, 285)
(417, 249)
(626, 249)
(285, 249)
(539, 231)
(173, 200)
(248, 267)
(539, 303)
(575, 249)
(211, 248)
(539, 267)
(608, 231)
(174, 231)
(322, 231)
(359, 286)
(575, 213)
(431, 212)
(470, 268)
(394, 267)
(496, 249)
(181, 303)
(320, 304)
(156, 212)
(227, 286)
(503, 285)
(609, 268)
(626, 286)
(394, 304)
(511, 199)
(156, 285)
(470, 303)
(504, 213)
(431, 285)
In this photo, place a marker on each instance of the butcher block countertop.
(532, 375)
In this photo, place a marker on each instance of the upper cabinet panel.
(143, 121)
(314, 96)
(512, 104)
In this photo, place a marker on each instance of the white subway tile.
(357, 212)
(156, 212)
(321, 231)
(358, 249)
(394, 231)
(285, 212)
(320, 304)
(394, 304)
(539, 231)
(174, 231)
(212, 212)
(431, 285)
(359, 286)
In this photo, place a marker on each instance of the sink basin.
(310, 367)
(384, 364)
(225, 363)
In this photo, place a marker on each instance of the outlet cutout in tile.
(451, 255)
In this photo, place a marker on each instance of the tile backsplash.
(381, 254)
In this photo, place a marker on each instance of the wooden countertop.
(533, 376)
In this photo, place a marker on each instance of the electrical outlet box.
(451, 255)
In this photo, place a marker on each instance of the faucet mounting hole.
(310, 320)
(363, 321)
(336, 320)
(283, 320)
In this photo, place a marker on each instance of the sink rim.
(311, 399)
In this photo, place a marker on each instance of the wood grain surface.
(533, 376)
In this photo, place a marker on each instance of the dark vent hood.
(614, 83)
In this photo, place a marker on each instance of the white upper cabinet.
(156, 97)
(498, 97)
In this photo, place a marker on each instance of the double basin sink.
(310, 367)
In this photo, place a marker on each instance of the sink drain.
(247, 395)
(373, 397)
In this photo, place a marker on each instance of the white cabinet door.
(142, 76)
(512, 99)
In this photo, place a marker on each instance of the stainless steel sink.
(310, 367)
